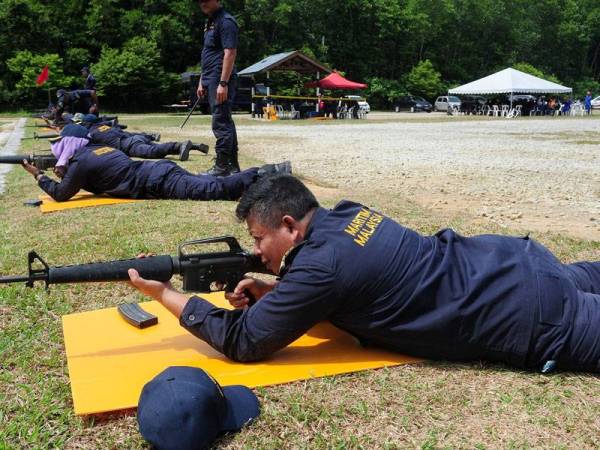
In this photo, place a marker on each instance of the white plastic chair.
(294, 113)
(558, 110)
(505, 110)
(518, 110)
(577, 109)
(281, 113)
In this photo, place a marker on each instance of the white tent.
(510, 81)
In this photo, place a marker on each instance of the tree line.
(138, 48)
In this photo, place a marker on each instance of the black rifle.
(190, 113)
(42, 136)
(201, 272)
(42, 162)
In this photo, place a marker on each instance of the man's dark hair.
(271, 198)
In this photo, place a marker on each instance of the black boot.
(184, 150)
(273, 169)
(155, 137)
(222, 167)
(201, 148)
(235, 165)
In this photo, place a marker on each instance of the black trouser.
(141, 146)
(222, 123)
(568, 317)
(169, 181)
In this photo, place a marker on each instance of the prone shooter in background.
(106, 170)
(83, 101)
(139, 145)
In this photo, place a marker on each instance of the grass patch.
(433, 405)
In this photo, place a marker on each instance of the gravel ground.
(527, 174)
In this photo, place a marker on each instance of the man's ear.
(289, 222)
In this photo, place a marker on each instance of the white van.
(442, 103)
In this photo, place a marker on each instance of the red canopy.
(336, 81)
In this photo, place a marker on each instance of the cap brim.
(55, 139)
(242, 407)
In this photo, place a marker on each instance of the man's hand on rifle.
(151, 288)
(256, 288)
(31, 169)
(164, 293)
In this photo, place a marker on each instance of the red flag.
(43, 76)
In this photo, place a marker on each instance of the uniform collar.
(217, 13)
(288, 257)
(316, 219)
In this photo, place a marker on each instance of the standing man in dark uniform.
(90, 80)
(446, 296)
(218, 81)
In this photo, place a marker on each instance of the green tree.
(382, 92)
(528, 68)
(424, 80)
(75, 59)
(133, 77)
(367, 39)
(26, 67)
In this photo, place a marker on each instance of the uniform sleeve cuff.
(194, 312)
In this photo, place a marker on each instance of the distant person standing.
(90, 81)
(218, 81)
(588, 103)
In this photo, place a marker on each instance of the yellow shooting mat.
(110, 360)
(82, 199)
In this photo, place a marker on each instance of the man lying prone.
(444, 296)
(106, 170)
(139, 145)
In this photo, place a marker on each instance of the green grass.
(429, 406)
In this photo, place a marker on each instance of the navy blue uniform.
(138, 145)
(444, 296)
(80, 101)
(90, 83)
(105, 170)
(221, 33)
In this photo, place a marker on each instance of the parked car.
(412, 103)
(596, 103)
(477, 100)
(444, 101)
(362, 102)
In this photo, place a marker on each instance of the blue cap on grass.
(185, 408)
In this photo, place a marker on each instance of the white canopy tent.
(510, 81)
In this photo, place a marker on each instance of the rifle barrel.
(190, 113)
(14, 279)
(15, 159)
(160, 268)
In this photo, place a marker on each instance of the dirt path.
(10, 139)
(532, 174)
